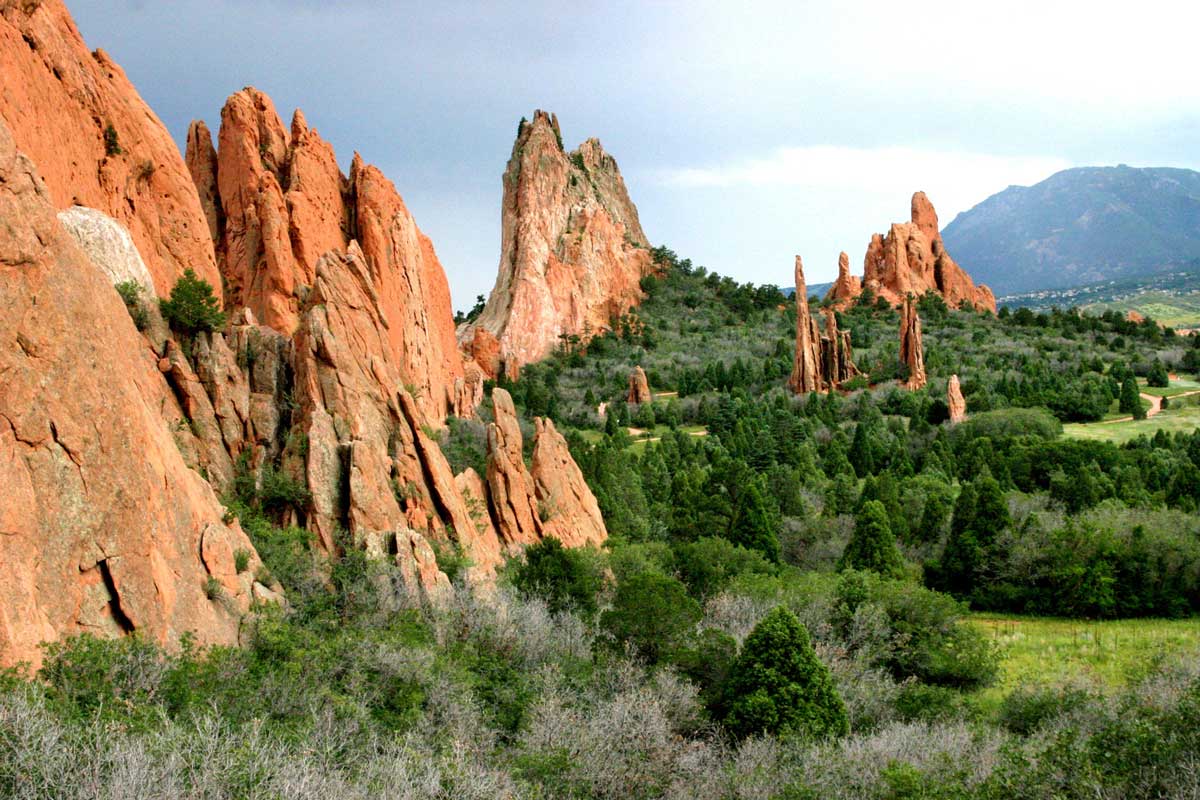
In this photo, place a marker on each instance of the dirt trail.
(1155, 407)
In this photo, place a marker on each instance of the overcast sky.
(746, 132)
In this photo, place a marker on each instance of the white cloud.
(954, 180)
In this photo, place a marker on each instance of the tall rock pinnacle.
(912, 350)
(572, 249)
(955, 401)
(822, 362)
(806, 369)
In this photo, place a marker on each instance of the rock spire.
(955, 401)
(822, 362)
(573, 252)
(912, 351)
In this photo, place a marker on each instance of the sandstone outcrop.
(103, 527)
(912, 259)
(955, 401)
(912, 351)
(847, 287)
(639, 387)
(514, 499)
(822, 362)
(572, 249)
(282, 203)
(806, 367)
(568, 508)
(96, 143)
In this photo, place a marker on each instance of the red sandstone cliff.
(572, 249)
(59, 100)
(103, 526)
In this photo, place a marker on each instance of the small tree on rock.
(777, 685)
(192, 306)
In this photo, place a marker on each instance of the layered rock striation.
(912, 259)
(822, 361)
(573, 252)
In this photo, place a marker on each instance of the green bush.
(131, 294)
(112, 146)
(872, 547)
(565, 578)
(709, 564)
(192, 307)
(777, 685)
(652, 616)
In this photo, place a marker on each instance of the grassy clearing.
(1181, 415)
(1178, 386)
(1107, 655)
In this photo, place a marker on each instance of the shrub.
(451, 559)
(279, 490)
(564, 578)
(652, 616)
(192, 307)
(709, 564)
(777, 685)
(131, 294)
(241, 559)
(112, 147)
(212, 589)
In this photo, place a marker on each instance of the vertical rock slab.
(955, 401)
(510, 486)
(806, 369)
(573, 252)
(847, 287)
(103, 527)
(569, 509)
(912, 350)
(96, 143)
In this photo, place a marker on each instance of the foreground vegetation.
(789, 606)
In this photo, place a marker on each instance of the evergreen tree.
(192, 306)
(872, 546)
(754, 525)
(1131, 401)
(1158, 376)
(777, 685)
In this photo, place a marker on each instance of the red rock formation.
(569, 509)
(911, 259)
(59, 100)
(955, 401)
(514, 499)
(846, 288)
(837, 357)
(103, 527)
(283, 204)
(806, 369)
(572, 249)
(639, 387)
(912, 350)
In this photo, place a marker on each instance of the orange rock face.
(955, 401)
(103, 527)
(847, 287)
(639, 387)
(570, 511)
(911, 259)
(806, 368)
(282, 204)
(912, 350)
(59, 100)
(822, 362)
(572, 251)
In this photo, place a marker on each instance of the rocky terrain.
(823, 361)
(335, 367)
(572, 250)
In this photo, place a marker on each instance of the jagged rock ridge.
(822, 362)
(573, 252)
(912, 259)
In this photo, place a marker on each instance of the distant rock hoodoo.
(573, 252)
(955, 401)
(639, 387)
(822, 362)
(911, 259)
(912, 351)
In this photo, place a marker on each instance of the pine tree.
(754, 523)
(192, 306)
(778, 685)
(872, 546)
(1131, 401)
